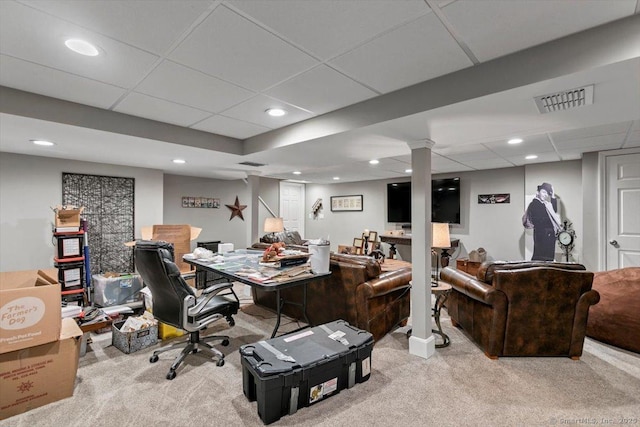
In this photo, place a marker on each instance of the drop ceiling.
(359, 80)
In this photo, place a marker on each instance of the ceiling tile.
(194, 88)
(542, 158)
(152, 25)
(46, 81)
(34, 36)
(230, 127)
(148, 107)
(321, 90)
(327, 28)
(405, 56)
(530, 144)
(254, 111)
(524, 24)
(490, 163)
(591, 131)
(251, 56)
(610, 140)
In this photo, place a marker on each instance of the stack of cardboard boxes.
(38, 349)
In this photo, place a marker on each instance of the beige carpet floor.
(458, 386)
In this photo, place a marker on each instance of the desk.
(235, 266)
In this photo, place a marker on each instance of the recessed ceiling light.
(82, 47)
(297, 172)
(179, 161)
(336, 178)
(531, 157)
(374, 162)
(42, 142)
(408, 170)
(515, 141)
(276, 112)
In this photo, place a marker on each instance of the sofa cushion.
(616, 319)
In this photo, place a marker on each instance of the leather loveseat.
(523, 308)
(356, 291)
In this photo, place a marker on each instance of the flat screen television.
(445, 201)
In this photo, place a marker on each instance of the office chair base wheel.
(154, 358)
(220, 362)
(171, 375)
(224, 342)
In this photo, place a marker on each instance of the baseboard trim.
(422, 347)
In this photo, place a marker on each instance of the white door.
(292, 206)
(623, 211)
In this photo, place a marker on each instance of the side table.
(441, 292)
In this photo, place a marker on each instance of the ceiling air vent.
(252, 164)
(565, 100)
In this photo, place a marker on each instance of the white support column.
(253, 228)
(422, 341)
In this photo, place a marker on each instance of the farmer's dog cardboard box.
(35, 376)
(29, 309)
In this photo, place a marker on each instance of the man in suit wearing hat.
(542, 212)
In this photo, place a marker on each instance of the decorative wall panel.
(109, 210)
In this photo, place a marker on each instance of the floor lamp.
(440, 239)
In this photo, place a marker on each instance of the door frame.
(603, 198)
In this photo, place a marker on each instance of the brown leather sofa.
(356, 291)
(523, 308)
(292, 239)
(616, 319)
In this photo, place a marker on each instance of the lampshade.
(273, 225)
(440, 235)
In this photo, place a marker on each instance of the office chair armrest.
(206, 296)
(215, 289)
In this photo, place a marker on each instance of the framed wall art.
(346, 203)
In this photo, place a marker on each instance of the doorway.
(622, 222)
(292, 206)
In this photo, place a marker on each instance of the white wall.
(495, 227)
(566, 178)
(215, 223)
(30, 186)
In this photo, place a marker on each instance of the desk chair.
(175, 302)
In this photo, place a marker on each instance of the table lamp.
(273, 225)
(440, 239)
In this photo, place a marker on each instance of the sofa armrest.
(468, 285)
(387, 282)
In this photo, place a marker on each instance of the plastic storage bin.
(108, 291)
(302, 368)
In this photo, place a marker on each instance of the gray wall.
(215, 223)
(30, 186)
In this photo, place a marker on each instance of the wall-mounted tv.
(445, 201)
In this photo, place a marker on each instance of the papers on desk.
(274, 275)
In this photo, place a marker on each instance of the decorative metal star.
(236, 209)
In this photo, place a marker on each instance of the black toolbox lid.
(304, 348)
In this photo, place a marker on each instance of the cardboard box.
(108, 291)
(39, 375)
(30, 312)
(67, 218)
(129, 342)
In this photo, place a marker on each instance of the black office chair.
(175, 302)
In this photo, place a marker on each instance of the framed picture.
(373, 236)
(346, 203)
(491, 199)
(358, 243)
